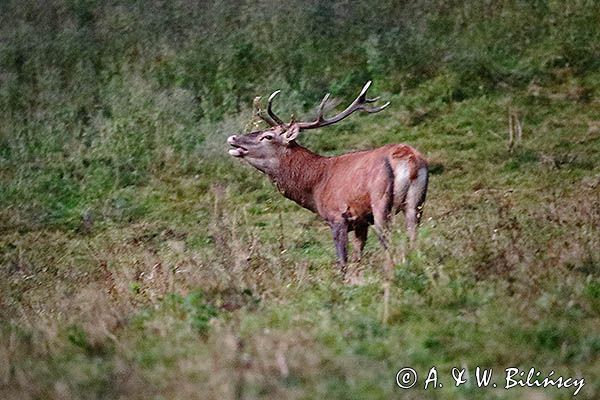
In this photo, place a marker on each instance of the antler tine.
(258, 112)
(375, 109)
(256, 104)
(357, 104)
(274, 117)
(363, 92)
(322, 107)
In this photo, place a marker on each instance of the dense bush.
(68, 53)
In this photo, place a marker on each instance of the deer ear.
(291, 133)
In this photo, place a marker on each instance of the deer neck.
(300, 170)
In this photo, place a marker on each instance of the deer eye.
(268, 137)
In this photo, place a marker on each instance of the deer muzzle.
(238, 150)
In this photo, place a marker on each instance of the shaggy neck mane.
(299, 172)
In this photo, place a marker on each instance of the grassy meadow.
(139, 261)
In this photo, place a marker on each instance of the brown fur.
(346, 184)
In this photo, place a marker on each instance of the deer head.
(263, 149)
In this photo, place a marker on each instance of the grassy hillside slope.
(138, 260)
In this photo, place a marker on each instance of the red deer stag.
(351, 191)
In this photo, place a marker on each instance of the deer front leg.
(340, 237)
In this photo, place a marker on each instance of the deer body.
(350, 191)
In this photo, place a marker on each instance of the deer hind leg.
(382, 228)
(382, 211)
(381, 219)
(359, 241)
(382, 205)
(415, 199)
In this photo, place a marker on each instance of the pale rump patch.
(403, 152)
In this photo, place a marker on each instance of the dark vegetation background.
(137, 260)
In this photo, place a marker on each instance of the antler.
(358, 104)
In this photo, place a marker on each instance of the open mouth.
(238, 151)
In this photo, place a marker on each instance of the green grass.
(139, 260)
